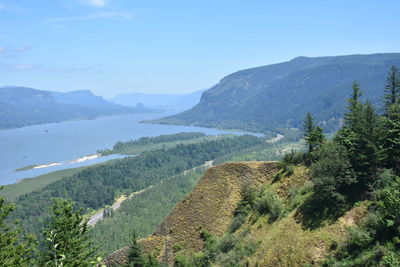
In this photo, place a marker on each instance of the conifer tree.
(313, 135)
(135, 255)
(369, 153)
(16, 248)
(392, 89)
(66, 237)
(392, 138)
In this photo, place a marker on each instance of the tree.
(16, 248)
(392, 89)
(66, 237)
(391, 141)
(354, 107)
(313, 136)
(333, 177)
(135, 255)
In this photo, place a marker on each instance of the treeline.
(130, 147)
(361, 162)
(98, 186)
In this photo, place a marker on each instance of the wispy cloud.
(89, 70)
(94, 16)
(23, 49)
(12, 51)
(96, 3)
(20, 67)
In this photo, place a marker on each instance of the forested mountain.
(277, 96)
(21, 106)
(184, 101)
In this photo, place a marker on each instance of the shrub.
(237, 221)
(268, 203)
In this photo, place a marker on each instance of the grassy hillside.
(277, 96)
(214, 212)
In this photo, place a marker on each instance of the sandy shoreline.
(78, 160)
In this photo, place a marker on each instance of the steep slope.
(276, 96)
(210, 207)
(258, 241)
(21, 106)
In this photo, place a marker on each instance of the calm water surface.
(65, 141)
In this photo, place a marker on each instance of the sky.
(178, 46)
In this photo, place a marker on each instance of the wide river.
(67, 141)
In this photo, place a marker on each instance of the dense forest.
(98, 186)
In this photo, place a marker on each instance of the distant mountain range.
(168, 101)
(275, 97)
(22, 106)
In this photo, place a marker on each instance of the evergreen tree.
(313, 135)
(369, 153)
(361, 136)
(135, 255)
(16, 248)
(391, 141)
(392, 89)
(352, 117)
(66, 237)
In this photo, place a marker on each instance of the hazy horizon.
(113, 47)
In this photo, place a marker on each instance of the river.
(67, 141)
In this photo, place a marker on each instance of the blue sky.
(171, 46)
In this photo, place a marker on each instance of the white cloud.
(3, 50)
(102, 15)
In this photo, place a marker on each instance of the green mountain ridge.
(277, 96)
(22, 106)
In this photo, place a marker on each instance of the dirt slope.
(210, 206)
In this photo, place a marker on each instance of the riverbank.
(53, 164)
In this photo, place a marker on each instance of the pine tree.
(392, 138)
(368, 146)
(308, 128)
(16, 248)
(135, 255)
(392, 89)
(361, 136)
(313, 136)
(66, 237)
(352, 117)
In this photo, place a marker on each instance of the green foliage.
(277, 96)
(143, 212)
(66, 240)
(391, 142)
(313, 134)
(135, 256)
(268, 203)
(16, 248)
(151, 143)
(392, 89)
(97, 186)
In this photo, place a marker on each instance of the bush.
(268, 203)
(237, 222)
